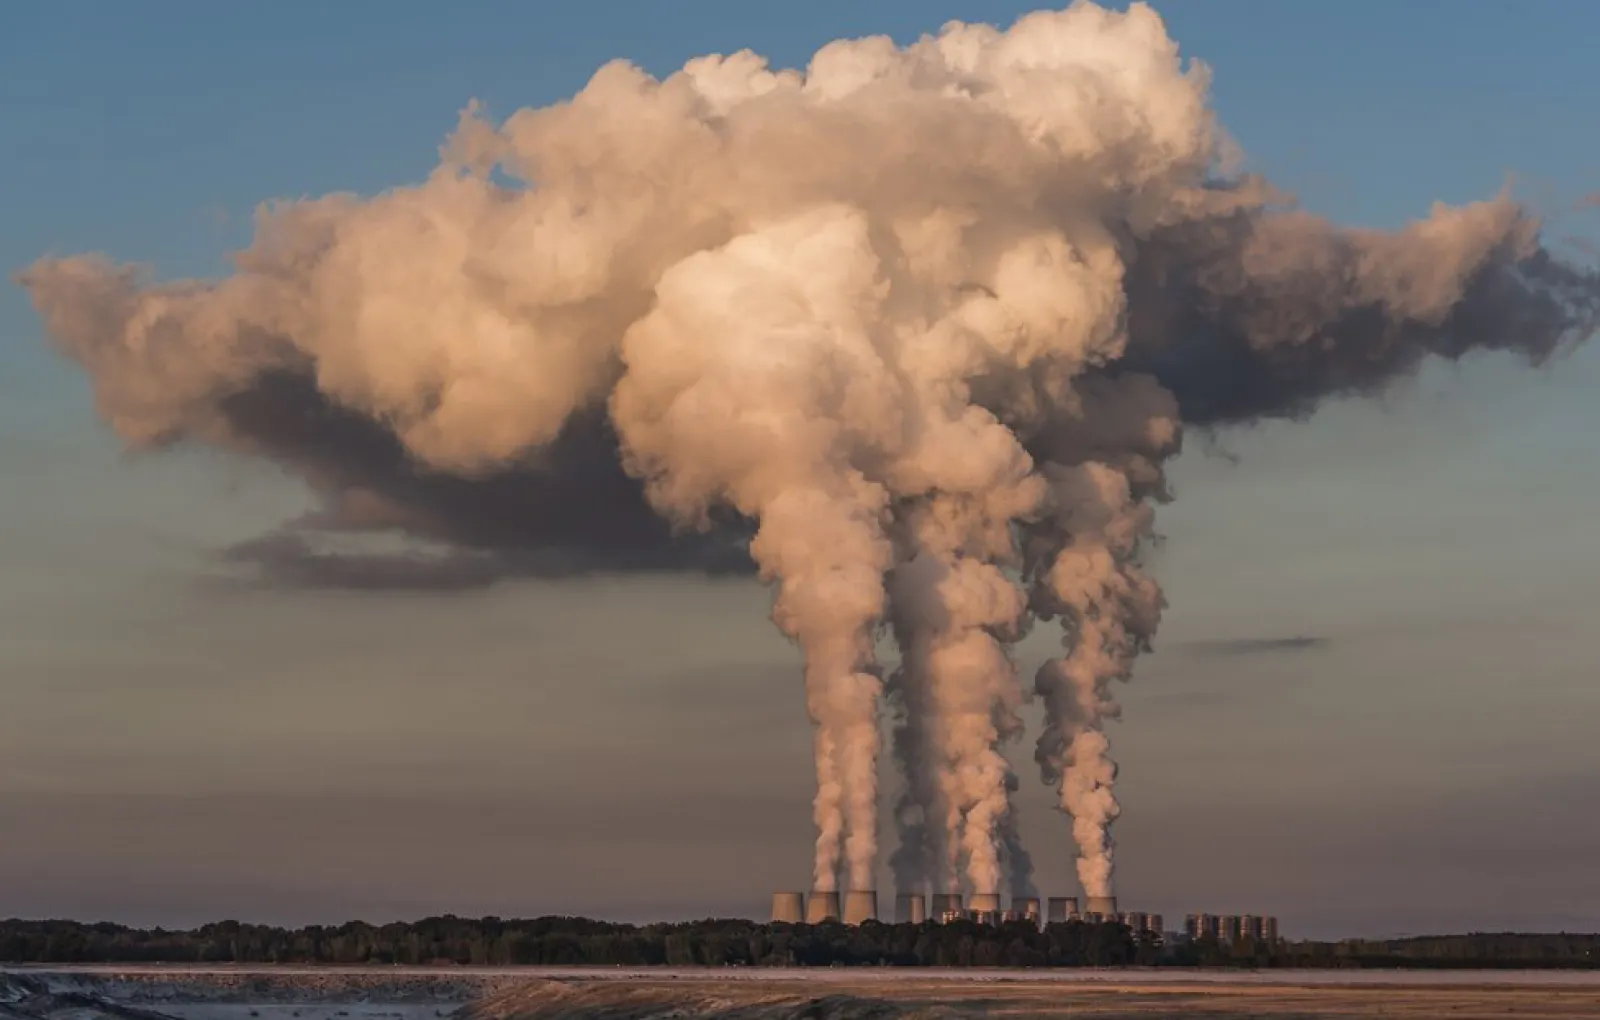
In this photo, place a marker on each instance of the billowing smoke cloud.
(912, 332)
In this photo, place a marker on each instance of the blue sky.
(638, 749)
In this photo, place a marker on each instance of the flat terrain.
(302, 993)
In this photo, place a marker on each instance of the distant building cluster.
(1230, 928)
(985, 908)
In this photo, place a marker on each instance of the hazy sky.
(175, 750)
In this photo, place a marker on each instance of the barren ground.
(264, 993)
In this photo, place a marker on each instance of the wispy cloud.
(303, 559)
(286, 560)
(1235, 647)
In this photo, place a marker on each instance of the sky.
(175, 750)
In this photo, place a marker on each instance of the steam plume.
(1085, 571)
(912, 326)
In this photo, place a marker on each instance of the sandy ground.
(1105, 1000)
(266, 993)
(402, 979)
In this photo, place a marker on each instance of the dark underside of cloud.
(572, 512)
(1233, 349)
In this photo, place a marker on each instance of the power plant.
(1015, 409)
(861, 906)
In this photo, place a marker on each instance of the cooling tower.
(859, 906)
(985, 903)
(822, 906)
(1105, 906)
(944, 903)
(910, 908)
(1062, 909)
(788, 907)
(1027, 907)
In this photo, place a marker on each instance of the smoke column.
(954, 609)
(911, 332)
(709, 408)
(1015, 859)
(1085, 571)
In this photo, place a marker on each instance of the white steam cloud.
(917, 326)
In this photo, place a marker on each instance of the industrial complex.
(858, 907)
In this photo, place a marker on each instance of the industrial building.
(1062, 909)
(946, 903)
(1231, 928)
(822, 906)
(788, 907)
(860, 906)
(1200, 926)
(910, 908)
(1028, 906)
(1140, 922)
(985, 908)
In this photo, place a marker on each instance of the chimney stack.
(910, 908)
(860, 905)
(822, 906)
(788, 907)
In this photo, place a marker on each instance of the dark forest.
(574, 941)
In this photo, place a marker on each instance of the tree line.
(576, 941)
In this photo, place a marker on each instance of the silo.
(910, 908)
(822, 906)
(1105, 906)
(944, 903)
(788, 907)
(1027, 907)
(1062, 909)
(860, 905)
